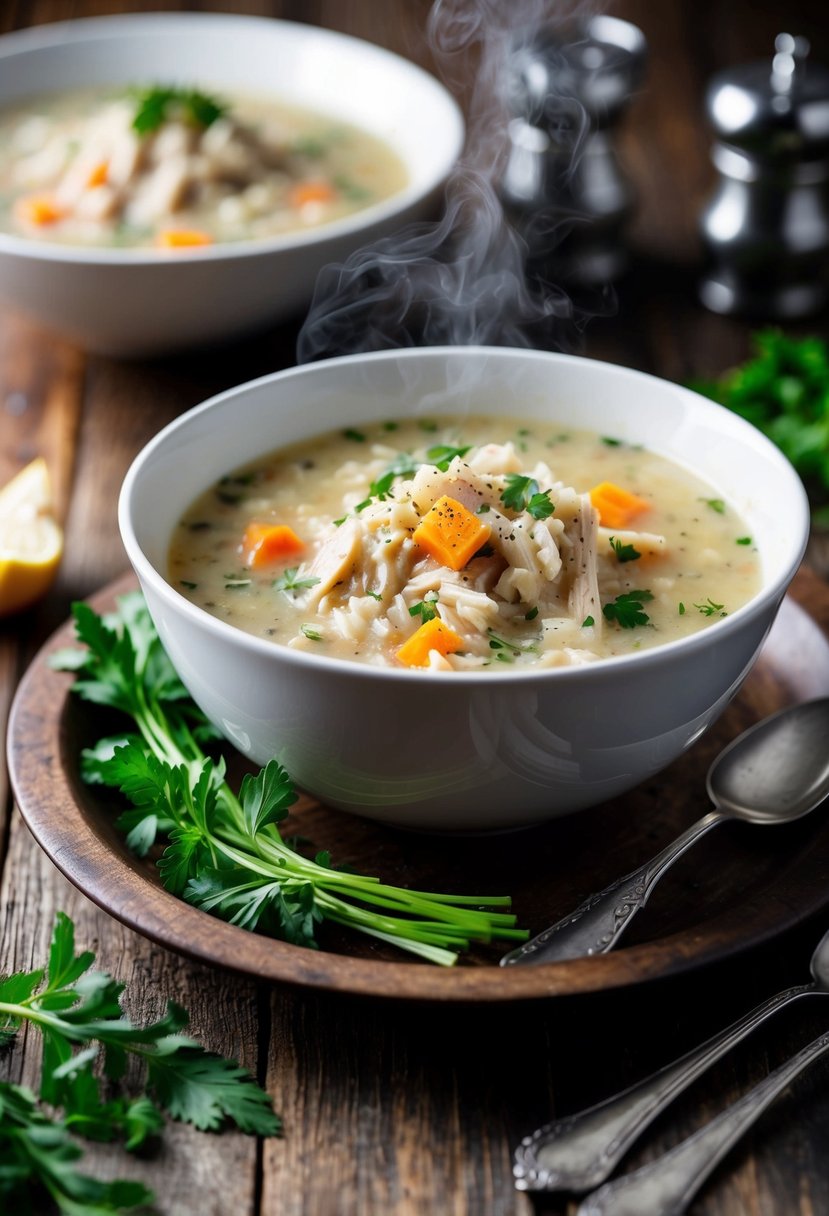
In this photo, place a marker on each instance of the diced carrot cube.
(311, 192)
(99, 175)
(40, 209)
(432, 635)
(182, 238)
(617, 507)
(451, 533)
(266, 543)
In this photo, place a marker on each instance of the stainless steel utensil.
(580, 1151)
(776, 771)
(668, 1184)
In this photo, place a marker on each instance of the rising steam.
(460, 281)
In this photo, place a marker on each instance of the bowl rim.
(768, 596)
(65, 33)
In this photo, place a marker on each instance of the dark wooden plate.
(737, 887)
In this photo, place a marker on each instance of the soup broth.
(475, 544)
(178, 168)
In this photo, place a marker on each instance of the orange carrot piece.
(182, 238)
(266, 543)
(432, 635)
(616, 507)
(311, 192)
(99, 175)
(451, 533)
(40, 209)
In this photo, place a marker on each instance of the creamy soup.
(178, 168)
(465, 545)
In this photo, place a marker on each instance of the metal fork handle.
(581, 1150)
(668, 1184)
(597, 924)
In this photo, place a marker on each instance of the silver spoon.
(668, 1184)
(773, 772)
(578, 1152)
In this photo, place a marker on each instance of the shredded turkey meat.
(531, 592)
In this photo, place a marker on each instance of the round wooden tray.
(736, 888)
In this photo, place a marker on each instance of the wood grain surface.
(398, 1108)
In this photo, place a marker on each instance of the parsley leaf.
(223, 850)
(78, 1014)
(288, 581)
(626, 609)
(709, 608)
(425, 609)
(443, 454)
(783, 390)
(523, 494)
(716, 504)
(624, 553)
(154, 106)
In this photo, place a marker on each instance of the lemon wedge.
(31, 540)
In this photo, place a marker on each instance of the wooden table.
(394, 1107)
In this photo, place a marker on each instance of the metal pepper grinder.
(766, 228)
(562, 187)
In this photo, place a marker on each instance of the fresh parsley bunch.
(78, 1014)
(221, 850)
(784, 391)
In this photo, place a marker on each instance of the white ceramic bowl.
(139, 302)
(462, 750)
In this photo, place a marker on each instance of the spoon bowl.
(777, 770)
(774, 772)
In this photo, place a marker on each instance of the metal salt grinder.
(766, 228)
(562, 187)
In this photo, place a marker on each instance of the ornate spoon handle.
(597, 924)
(581, 1150)
(668, 1184)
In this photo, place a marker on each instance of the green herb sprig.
(523, 494)
(626, 610)
(78, 1014)
(155, 105)
(222, 850)
(783, 389)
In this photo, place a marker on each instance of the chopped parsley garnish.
(532, 614)
(311, 633)
(624, 553)
(505, 650)
(523, 494)
(375, 595)
(587, 622)
(681, 608)
(743, 540)
(709, 608)
(354, 435)
(444, 453)
(184, 582)
(483, 509)
(610, 442)
(426, 609)
(426, 424)
(626, 609)
(155, 105)
(338, 523)
(288, 581)
(716, 504)
(403, 465)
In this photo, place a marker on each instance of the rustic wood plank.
(189, 1171)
